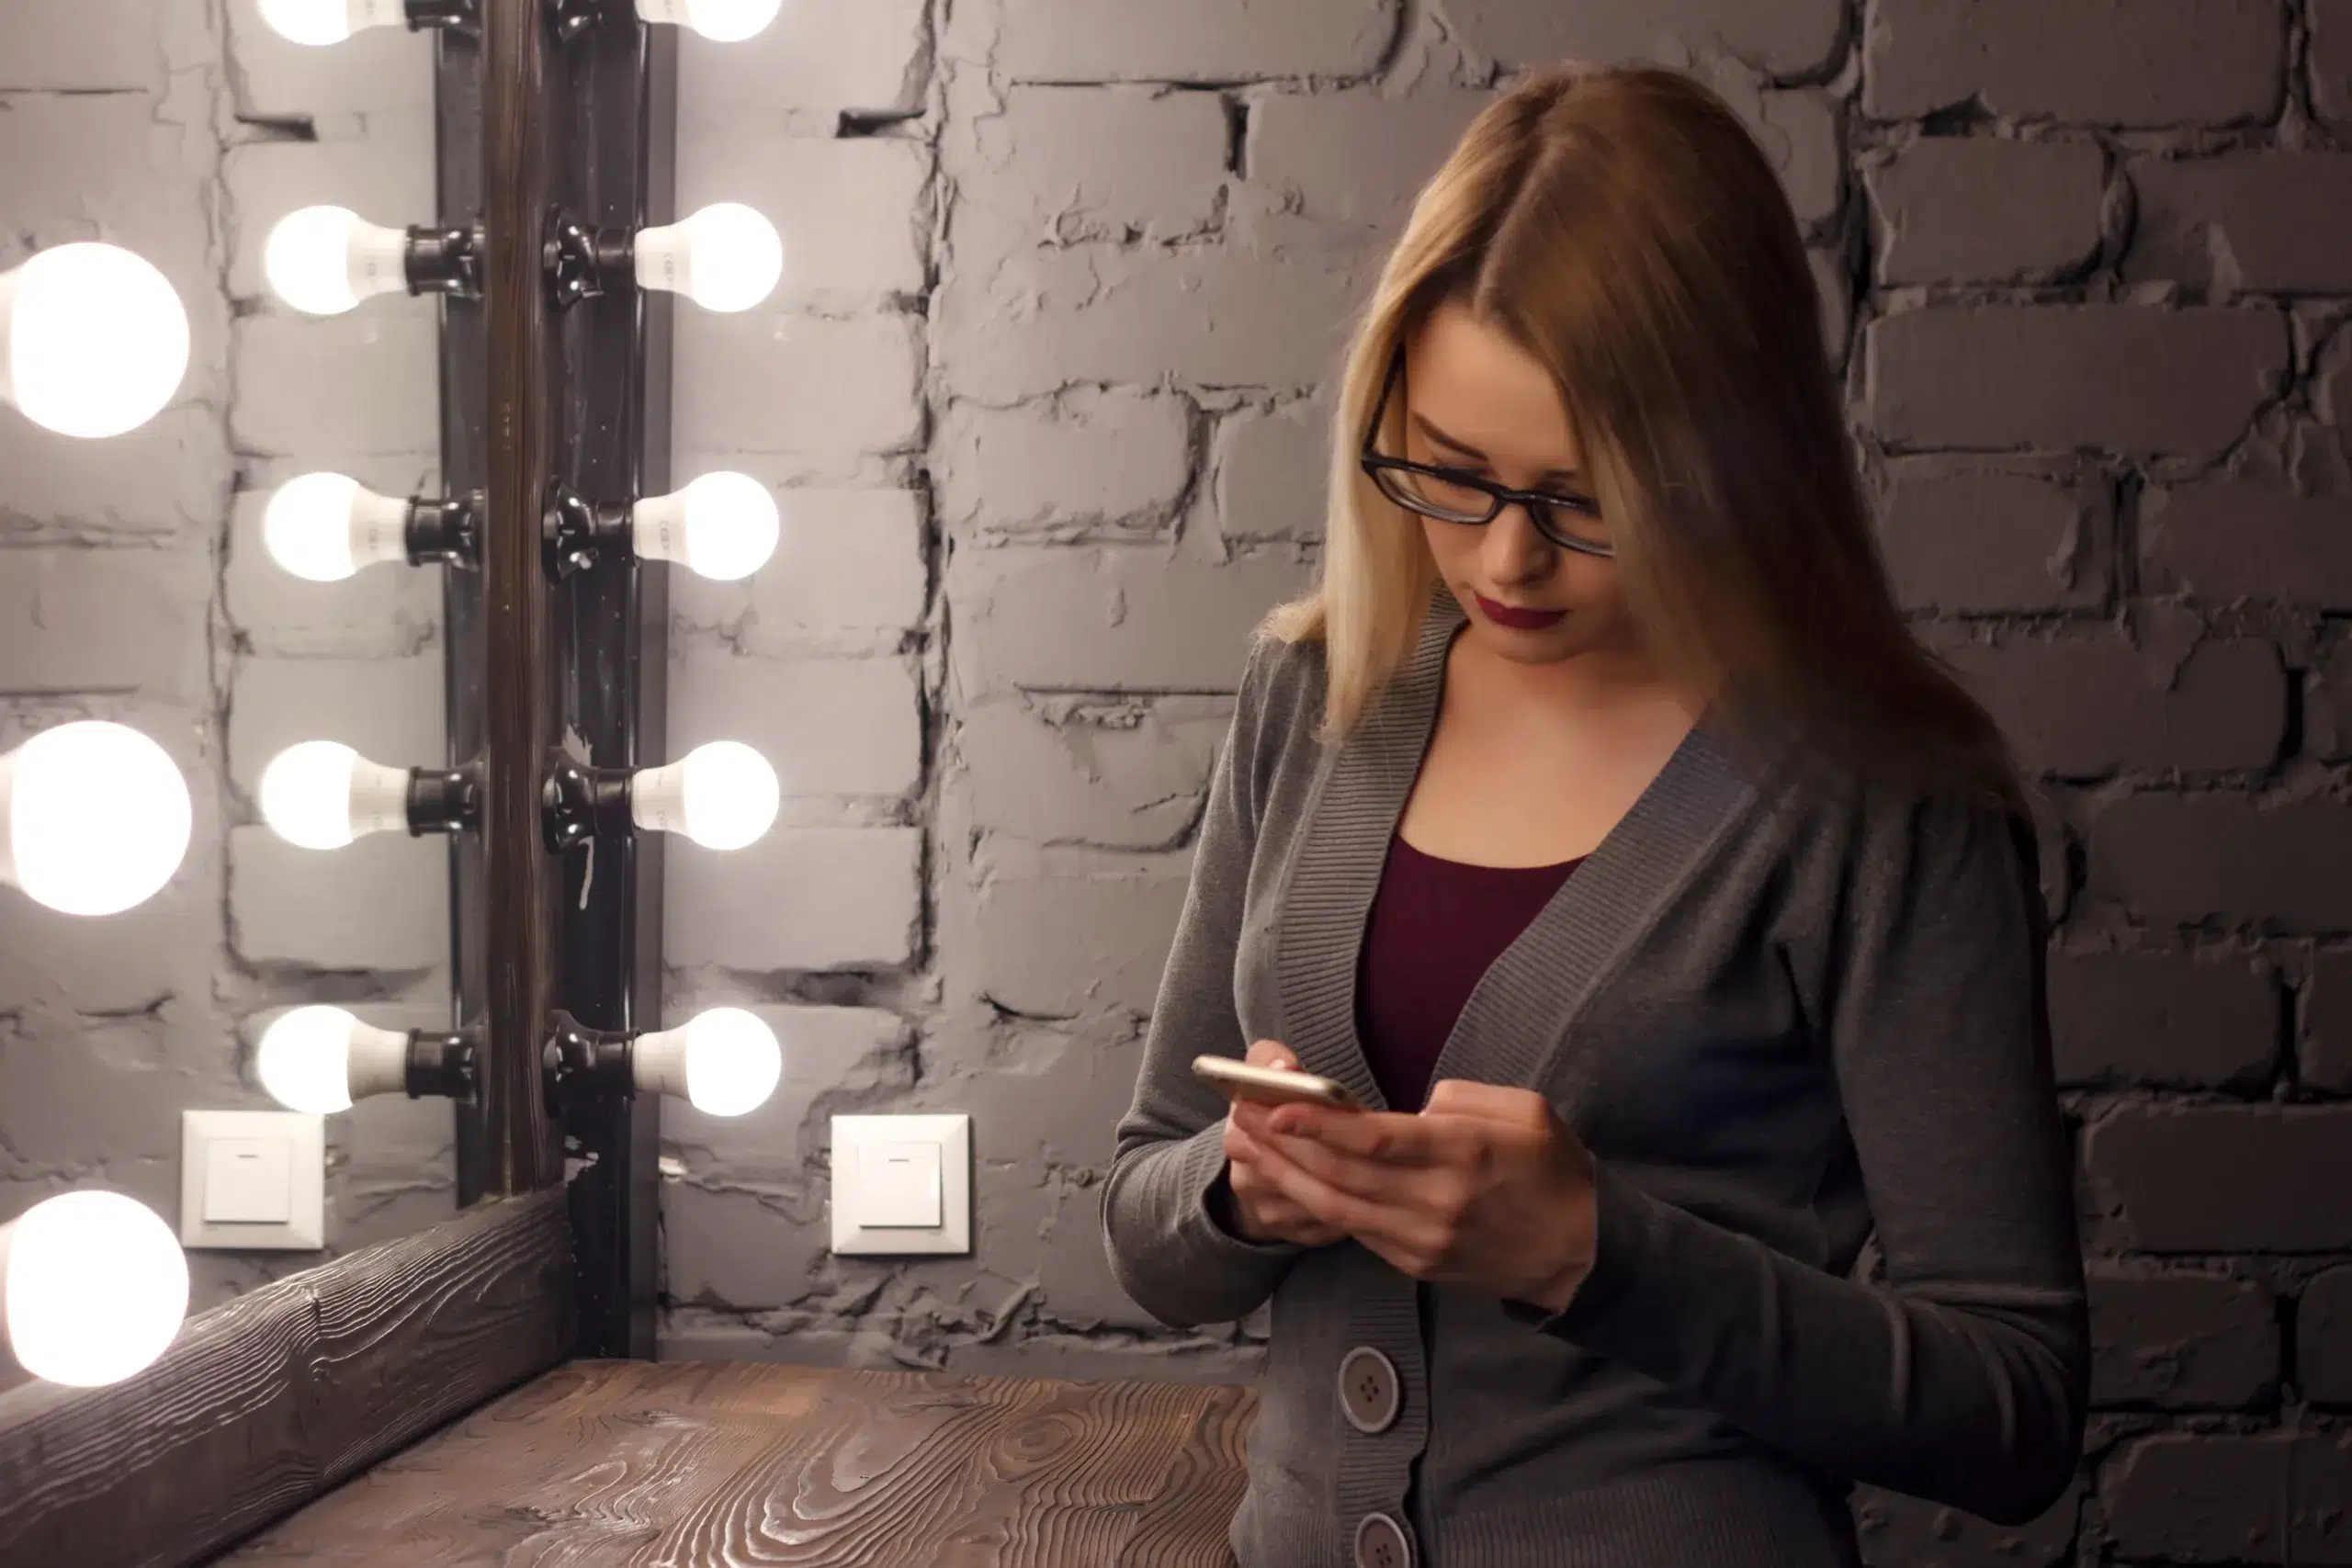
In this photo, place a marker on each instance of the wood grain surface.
(269, 1399)
(730, 1464)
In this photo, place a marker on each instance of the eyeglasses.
(1453, 495)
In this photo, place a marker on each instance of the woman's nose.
(1514, 551)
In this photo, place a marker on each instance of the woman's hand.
(1486, 1187)
(1265, 1214)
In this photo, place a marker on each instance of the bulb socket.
(448, 531)
(576, 533)
(578, 803)
(443, 801)
(579, 1064)
(445, 1065)
(584, 262)
(444, 261)
(448, 16)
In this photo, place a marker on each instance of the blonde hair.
(1621, 227)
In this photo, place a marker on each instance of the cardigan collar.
(1522, 1008)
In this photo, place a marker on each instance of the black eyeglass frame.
(1539, 506)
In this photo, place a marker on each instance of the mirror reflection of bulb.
(722, 21)
(93, 818)
(93, 1288)
(725, 1061)
(320, 22)
(722, 526)
(326, 527)
(324, 260)
(322, 795)
(320, 1059)
(725, 257)
(92, 339)
(721, 794)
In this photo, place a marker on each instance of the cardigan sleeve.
(1167, 1248)
(1963, 1378)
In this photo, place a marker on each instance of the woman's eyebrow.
(1443, 439)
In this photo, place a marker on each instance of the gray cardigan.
(1783, 1019)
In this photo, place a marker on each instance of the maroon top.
(1436, 926)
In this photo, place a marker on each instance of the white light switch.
(253, 1180)
(902, 1184)
(898, 1186)
(248, 1181)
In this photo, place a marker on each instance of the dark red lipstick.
(1518, 620)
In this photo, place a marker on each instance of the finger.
(1271, 1054)
(1392, 1138)
(1375, 1181)
(1487, 1102)
(1250, 1116)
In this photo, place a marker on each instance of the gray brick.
(1353, 159)
(1835, 293)
(1212, 40)
(387, 710)
(2330, 59)
(75, 620)
(387, 179)
(849, 211)
(382, 612)
(1271, 472)
(813, 63)
(1088, 460)
(2163, 1018)
(2323, 1338)
(1043, 1100)
(2212, 1179)
(1785, 38)
(736, 1248)
(391, 1164)
(2327, 702)
(858, 904)
(2186, 859)
(1109, 774)
(1798, 131)
(2083, 706)
(2117, 378)
(108, 46)
(340, 90)
(123, 1083)
(2221, 540)
(1976, 209)
(111, 166)
(849, 561)
(829, 726)
(2220, 1497)
(2087, 62)
(167, 480)
(1190, 316)
(379, 903)
(1108, 619)
(2181, 1341)
(2274, 222)
(1066, 166)
(798, 384)
(2325, 1047)
(327, 387)
(1081, 934)
(1958, 540)
(1895, 1532)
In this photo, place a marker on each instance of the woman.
(1598, 824)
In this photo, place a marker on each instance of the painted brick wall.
(132, 585)
(1045, 408)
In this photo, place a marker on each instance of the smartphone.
(1272, 1086)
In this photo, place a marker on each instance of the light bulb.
(326, 527)
(725, 257)
(722, 21)
(320, 1059)
(324, 260)
(722, 526)
(95, 817)
(322, 795)
(93, 1288)
(329, 21)
(725, 1061)
(722, 795)
(92, 339)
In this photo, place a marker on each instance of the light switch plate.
(237, 1168)
(877, 1176)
